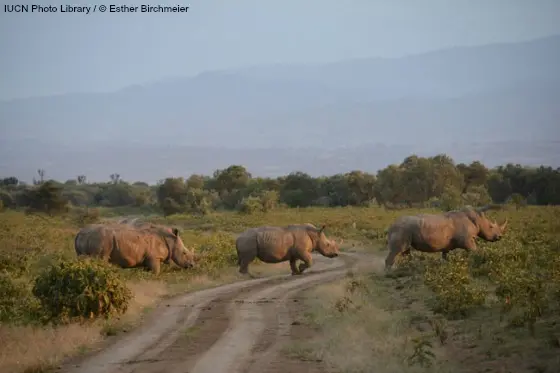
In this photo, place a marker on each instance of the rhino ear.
(175, 232)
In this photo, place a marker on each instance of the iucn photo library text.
(96, 8)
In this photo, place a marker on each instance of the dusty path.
(215, 330)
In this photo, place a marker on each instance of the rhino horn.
(322, 229)
(341, 241)
(504, 225)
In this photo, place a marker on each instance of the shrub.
(14, 300)
(250, 205)
(517, 200)
(81, 289)
(450, 199)
(15, 262)
(217, 251)
(269, 200)
(455, 293)
(87, 216)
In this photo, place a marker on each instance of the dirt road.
(235, 328)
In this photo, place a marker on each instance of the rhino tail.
(76, 243)
(237, 250)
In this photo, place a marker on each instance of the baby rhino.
(441, 233)
(280, 244)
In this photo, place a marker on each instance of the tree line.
(416, 182)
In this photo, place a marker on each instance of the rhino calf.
(129, 246)
(441, 232)
(279, 244)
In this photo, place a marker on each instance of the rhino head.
(179, 253)
(326, 247)
(489, 230)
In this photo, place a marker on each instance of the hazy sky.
(57, 53)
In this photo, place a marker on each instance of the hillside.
(494, 93)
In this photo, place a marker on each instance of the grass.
(496, 310)
(387, 323)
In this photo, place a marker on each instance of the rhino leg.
(396, 245)
(444, 255)
(470, 245)
(244, 261)
(153, 265)
(307, 262)
(395, 250)
(295, 270)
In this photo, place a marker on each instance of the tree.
(232, 178)
(47, 197)
(361, 186)
(115, 178)
(474, 174)
(299, 189)
(446, 176)
(196, 181)
(9, 181)
(172, 195)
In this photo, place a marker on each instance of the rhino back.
(302, 240)
(94, 240)
(436, 232)
(274, 243)
(133, 246)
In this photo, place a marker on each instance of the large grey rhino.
(441, 232)
(278, 244)
(132, 246)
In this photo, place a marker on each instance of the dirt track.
(231, 329)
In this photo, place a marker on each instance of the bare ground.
(218, 330)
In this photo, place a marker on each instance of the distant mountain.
(483, 94)
(152, 163)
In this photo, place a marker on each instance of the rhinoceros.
(129, 246)
(273, 244)
(441, 232)
(136, 222)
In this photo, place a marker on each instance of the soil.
(235, 328)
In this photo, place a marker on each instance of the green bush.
(85, 216)
(83, 289)
(455, 292)
(250, 205)
(15, 302)
(15, 262)
(217, 251)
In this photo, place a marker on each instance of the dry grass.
(357, 331)
(35, 349)
(373, 332)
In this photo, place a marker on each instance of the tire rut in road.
(232, 351)
(212, 319)
(158, 332)
(156, 343)
(277, 334)
(201, 329)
